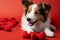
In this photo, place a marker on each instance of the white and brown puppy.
(36, 18)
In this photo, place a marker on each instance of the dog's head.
(35, 12)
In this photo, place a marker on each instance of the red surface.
(14, 8)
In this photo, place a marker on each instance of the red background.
(14, 8)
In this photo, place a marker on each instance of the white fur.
(48, 32)
(39, 26)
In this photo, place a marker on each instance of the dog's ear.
(45, 7)
(26, 3)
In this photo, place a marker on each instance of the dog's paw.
(50, 34)
(29, 31)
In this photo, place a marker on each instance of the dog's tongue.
(30, 23)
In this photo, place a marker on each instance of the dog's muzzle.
(32, 23)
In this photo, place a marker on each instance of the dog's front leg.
(48, 32)
(28, 29)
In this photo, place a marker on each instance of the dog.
(36, 18)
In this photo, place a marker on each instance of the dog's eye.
(37, 12)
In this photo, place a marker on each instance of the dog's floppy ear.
(26, 3)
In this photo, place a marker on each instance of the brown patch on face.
(39, 17)
(29, 10)
(38, 14)
(47, 13)
(37, 8)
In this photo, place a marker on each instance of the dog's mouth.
(32, 23)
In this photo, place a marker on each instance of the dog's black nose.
(28, 19)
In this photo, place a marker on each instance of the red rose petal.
(7, 27)
(2, 25)
(5, 20)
